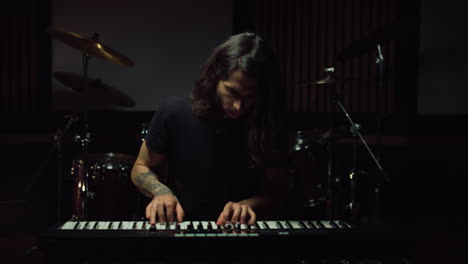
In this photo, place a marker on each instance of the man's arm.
(274, 195)
(142, 175)
(164, 204)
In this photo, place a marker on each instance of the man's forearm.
(148, 183)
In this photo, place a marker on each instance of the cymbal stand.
(58, 139)
(84, 138)
(355, 129)
(331, 199)
(377, 186)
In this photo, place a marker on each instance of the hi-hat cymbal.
(96, 89)
(91, 47)
(326, 80)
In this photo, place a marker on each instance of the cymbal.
(91, 47)
(326, 80)
(96, 89)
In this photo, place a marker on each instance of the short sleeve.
(156, 139)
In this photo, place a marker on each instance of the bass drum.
(109, 193)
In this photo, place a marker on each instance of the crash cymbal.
(96, 89)
(90, 46)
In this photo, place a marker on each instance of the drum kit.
(337, 201)
(102, 188)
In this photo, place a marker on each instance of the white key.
(273, 224)
(327, 224)
(205, 225)
(308, 225)
(262, 225)
(160, 226)
(146, 225)
(115, 225)
(81, 225)
(284, 224)
(91, 225)
(214, 226)
(184, 225)
(244, 227)
(295, 224)
(139, 225)
(195, 224)
(172, 225)
(126, 225)
(104, 225)
(69, 225)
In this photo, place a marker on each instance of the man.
(224, 146)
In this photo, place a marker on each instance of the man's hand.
(163, 208)
(237, 213)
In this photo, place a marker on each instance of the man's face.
(236, 95)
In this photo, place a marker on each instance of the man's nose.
(238, 105)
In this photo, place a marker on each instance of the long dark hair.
(248, 53)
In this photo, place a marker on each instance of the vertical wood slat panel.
(19, 65)
(308, 36)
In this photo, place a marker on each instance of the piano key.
(139, 225)
(318, 224)
(126, 225)
(81, 225)
(172, 225)
(345, 224)
(184, 225)
(332, 223)
(273, 224)
(308, 224)
(244, 227)
(68, 225)
(214, 226)
(296, 225)
(205, 225)
(326, 224)
(115, 225)
(262, 225)
(160, 226)
(104, 225)
(91, 225)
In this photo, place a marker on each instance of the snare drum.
(109, 193)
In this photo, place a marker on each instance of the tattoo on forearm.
(148, 182)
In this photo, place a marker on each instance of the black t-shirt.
(207, 159)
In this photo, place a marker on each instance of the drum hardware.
(89, 47)
(355, 129)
